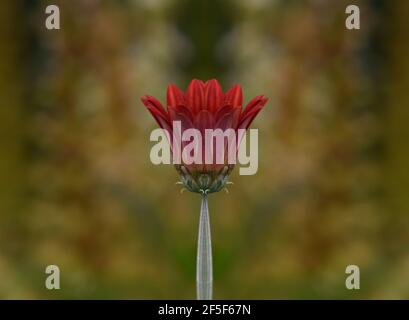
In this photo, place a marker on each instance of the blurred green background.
(78, 190)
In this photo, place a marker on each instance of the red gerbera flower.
(204, 106)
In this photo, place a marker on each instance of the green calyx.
(204, 182)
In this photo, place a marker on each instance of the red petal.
(225, 122)
(234, 96)
(185, 119)
(236, 117)
(154, 103)
(227, 109)
(160, 119)
(249, 117)
(174, 96)
(228, 119)
(254, 103)
(204, 120)
(194, 97)
(213, 95)
(251, 111)
(186, 111)
(185, 122)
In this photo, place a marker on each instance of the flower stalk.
(204, 264)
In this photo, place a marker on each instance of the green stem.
(204, 268)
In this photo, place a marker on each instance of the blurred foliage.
(78, 190)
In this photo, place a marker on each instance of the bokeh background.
(78, 190)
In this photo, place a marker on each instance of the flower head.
(204, 106)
